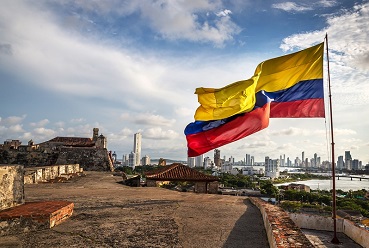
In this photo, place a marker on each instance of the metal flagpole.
(334, 211)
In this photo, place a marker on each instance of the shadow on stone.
(249, 230)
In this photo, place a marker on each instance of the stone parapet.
(11, 186)
(324, 223)
(281, 231)
(50, 173)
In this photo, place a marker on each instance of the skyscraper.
(137, 148)
(340, 163)
(248, 159)
(217, 158)
(199, 161)
(348, 160)
(303, 159)
(132, 160)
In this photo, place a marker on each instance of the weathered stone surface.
(110, 214)
(11, 186)
(89, 158)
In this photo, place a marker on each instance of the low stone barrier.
(324, 223)
(282, 232)
(358, 234)
(11, 186)
(49, 173)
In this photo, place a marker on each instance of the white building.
(207, 163)
(199, 161)
(132, 160)
(271, 167)
(137, 147)
(191, 162)
(146, 160)
(125, 159)
(252, 170)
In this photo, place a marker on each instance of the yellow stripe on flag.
(227, 101)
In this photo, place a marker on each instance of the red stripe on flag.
(236, 129)
(298, 109)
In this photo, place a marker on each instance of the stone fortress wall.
(89, 153)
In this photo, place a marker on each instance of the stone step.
(34, 216)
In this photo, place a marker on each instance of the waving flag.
(290, 86)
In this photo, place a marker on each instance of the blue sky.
(132, 66)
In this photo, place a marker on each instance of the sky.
(68, 66)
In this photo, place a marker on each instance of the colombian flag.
(290, 86)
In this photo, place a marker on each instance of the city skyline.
(131, 67)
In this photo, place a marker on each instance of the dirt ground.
(109, 214)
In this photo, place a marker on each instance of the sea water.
(344, 183)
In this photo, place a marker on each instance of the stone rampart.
(11, 186)
(90, 159)
(281, 230)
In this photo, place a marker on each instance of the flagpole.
(334, 211)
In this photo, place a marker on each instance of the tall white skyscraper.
(199, 161)
(137, 147)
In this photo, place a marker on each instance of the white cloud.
(348, 53)
(258, 144)
(327, 3)
(340, 131)
(18, 128)
(78, 120)
(12, 120)
(180, 20)
(225, 12)
(41, 123)
(291, 7)
(183, 111)
(170, 19)
(158, 133)
(147, 119)
(44, 132)
(60, 124)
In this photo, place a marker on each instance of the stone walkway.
(109, 214)
(322, 239)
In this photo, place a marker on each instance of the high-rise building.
(125, 159)
(315, 161)
(248, 159)
(199, 162)
(355, 164)
(137, 147)
(340, 163)
(217, 158)
(132, 160)
(207, 163)
(272, 167)
(146, 160)
(348, 160)
(303, 159)
(191, 162)
(252, 161)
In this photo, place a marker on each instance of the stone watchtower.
(95, 134)
(100, 141)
